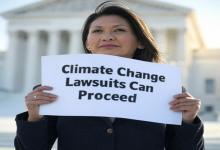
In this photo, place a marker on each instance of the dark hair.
(150, 51)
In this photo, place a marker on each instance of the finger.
(42, 97)
(182, 100)
(36, 95)
(31, 98)
(188, 103)
(37, 91)
(41, 102)
(41, 88)
(44, 94)
(49, 94)
(181, 109)
(182, 95)
(190, 108)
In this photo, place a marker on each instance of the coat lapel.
(107, 121)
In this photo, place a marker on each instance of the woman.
(113, 30)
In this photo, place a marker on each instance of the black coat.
(98, 133)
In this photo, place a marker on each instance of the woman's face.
(111, 35)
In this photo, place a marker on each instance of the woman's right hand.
(36, 98)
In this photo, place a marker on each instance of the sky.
(207, 13)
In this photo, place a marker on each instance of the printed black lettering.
(68, 82)
(81, 94)
(64, 68)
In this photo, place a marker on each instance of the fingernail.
(50, 88)
(175, 96)
(171, 102)
(54, 98)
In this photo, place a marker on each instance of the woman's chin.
(108, 53)
(111, 53)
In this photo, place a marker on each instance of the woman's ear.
(140, 46)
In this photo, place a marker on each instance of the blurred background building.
(52, 27)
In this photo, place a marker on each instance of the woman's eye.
(119, 30)
(96, 31)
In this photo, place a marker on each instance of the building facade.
(53, 27)
(204, 81)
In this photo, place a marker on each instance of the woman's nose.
(108, 37)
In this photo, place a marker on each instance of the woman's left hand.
(187, 104)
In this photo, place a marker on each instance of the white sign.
(111, 86)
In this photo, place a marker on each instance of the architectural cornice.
(53, 7)
(165, 6)
(212, 54)
(196, 28)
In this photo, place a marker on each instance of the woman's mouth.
(108, 46)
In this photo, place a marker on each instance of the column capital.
(75, 31)
(13, 31)
(33, 33)
(54, 31)
(181, 30)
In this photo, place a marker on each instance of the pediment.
(156, 7)
(54, 7)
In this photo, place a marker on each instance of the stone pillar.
(53, 43)
(75, 42)
(161, 39)
(182, 59)
(33, 60)
(181, 45)
(10, 62)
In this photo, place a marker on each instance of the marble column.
(181, 45)
(75, 42)
(33, 60)
(182, 59)
(10, 62)
(53, 43)
(161, 39)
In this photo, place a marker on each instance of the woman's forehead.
(110, 20)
